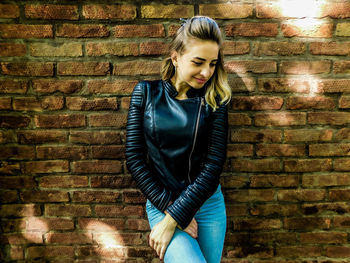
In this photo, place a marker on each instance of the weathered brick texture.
(67, 71)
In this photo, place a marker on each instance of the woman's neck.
(181, 88)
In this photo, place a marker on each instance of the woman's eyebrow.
(205, 59)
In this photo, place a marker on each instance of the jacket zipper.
(194, 139)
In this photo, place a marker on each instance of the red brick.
(124, 12)
(38, 104)
(239, 119)
(338, 252)
(83, 68)
(306, 135)
(172, 29)
(44, 196)
(314, 102)
(107, 181)
(235, 47)
(279, 48)
(305, 67)
(63, 181)
(336, 10)
(12, 49)
(300, 195)
(321, 208)
(241, 84)
(20, 210)
(7, 137)
(138, 67)
(27, 68)
(82, 31)
(69, 238)
(16, 253)
(280, 119)
(226, 11)
(118, 210)
(252, 29)
(37, 223)
(237, 150)
(111, 48)
(14, 121)
(133, 197)
(137, 225)
(62, 152)
(341, 221)
(25, 31)
(256, 224)
(307, 223)
(81, 103)
(49, 251)
(167, 11)
(341, 67)
(8, 196)
(67, 210)
(55, 85)
(60, 121)
(237, 210)
(342, 29)
(5, 104)
(95, 196)
(67, 12)
(285, 85)
(118, 120)
(330, 48)
(46, 167)
(154, 30)
(39, 137)
(329, 149)
(24, 238)
(342, 164)
(102, 251)
(298, 29)
(343, 134)
(279, 180)
(239, 66)
(93, 137)
(16, 182)
(13, 225)
(274, 210)
(120, 87)
(299, 252)
(9, 11)
(280, 150)
(260, 135)
(334, 85)
(307, 165)
(329, 118)
(108, 152)
(98, 224)
(339, 195)
(13, 86)
(256, 103)
(9, 168)
(97, 166)
(234, 181)
(56, 50)
(266, 165)
(344, 102)
(322, 180)
(17, 152)
(249, 195)
(154, 48)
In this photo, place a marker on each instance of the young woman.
(176, 140)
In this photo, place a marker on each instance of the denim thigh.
(208, 246)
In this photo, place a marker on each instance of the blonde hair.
(203, 28)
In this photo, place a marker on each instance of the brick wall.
(67, 72)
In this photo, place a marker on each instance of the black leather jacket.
(175, 149)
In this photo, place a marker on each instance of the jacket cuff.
(180, 218)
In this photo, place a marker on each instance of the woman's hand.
(192, 229)
(161, 235)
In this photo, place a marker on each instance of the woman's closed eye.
(200, 63)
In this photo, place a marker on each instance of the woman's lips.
(201, 81)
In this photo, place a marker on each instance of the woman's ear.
(173, 57)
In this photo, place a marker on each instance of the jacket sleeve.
(192, 198)
(136, 152)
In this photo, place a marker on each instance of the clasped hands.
(163, 232)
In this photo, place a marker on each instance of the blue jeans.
(208, 246)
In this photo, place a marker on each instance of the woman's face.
(197, 64)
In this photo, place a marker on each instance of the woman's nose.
(205, 72)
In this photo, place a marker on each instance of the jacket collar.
(190, 93)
